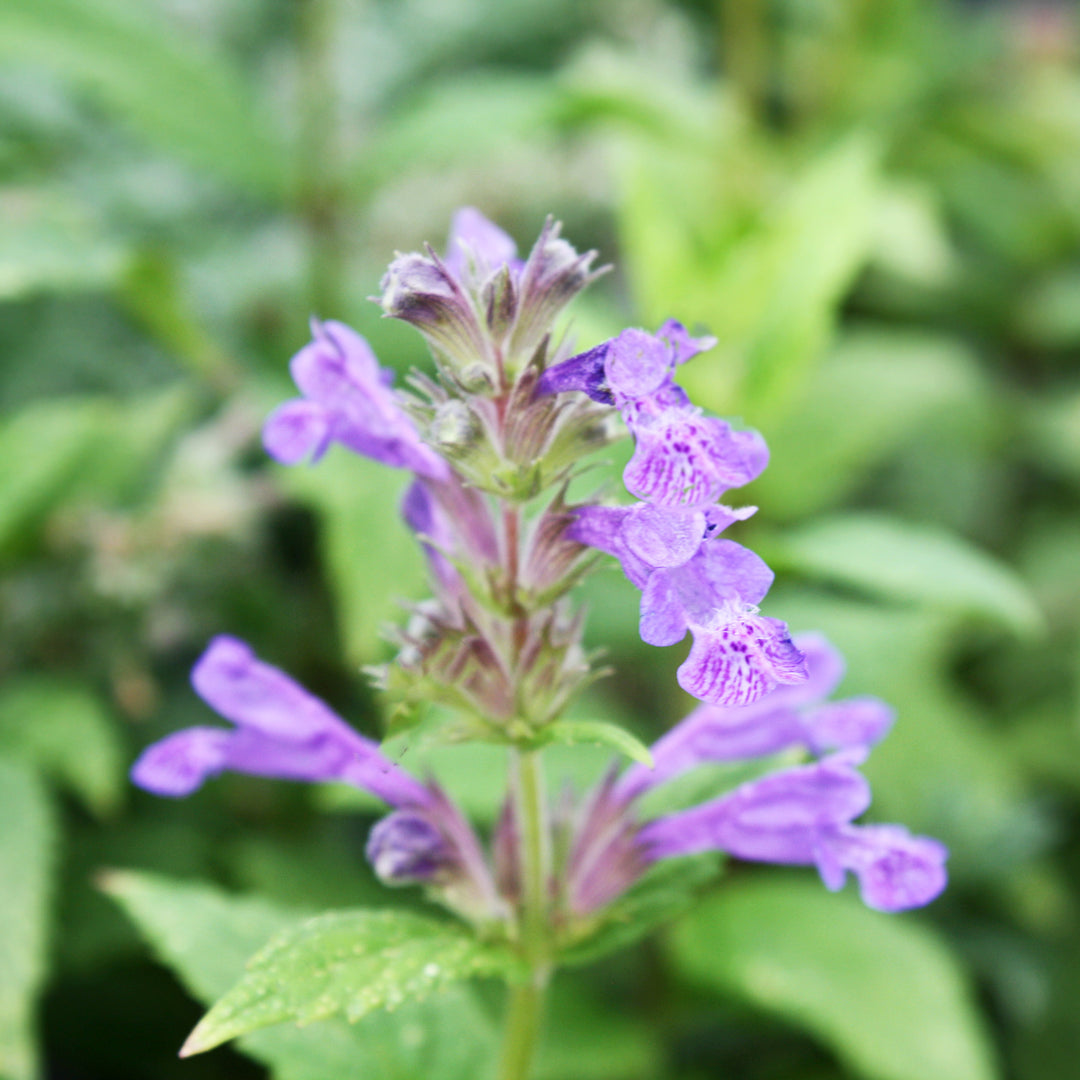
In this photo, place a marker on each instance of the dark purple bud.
(406, 848)
(584, 372)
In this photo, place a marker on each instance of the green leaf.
(349, 962)
(373, 561)
(597, 733)
(664, 893)
(27, 834)
(165, 83)
(64, 729)
(874, 389)
(206, 936)
(914, 563)
(50, 243)
(51, 440)
(882, 991)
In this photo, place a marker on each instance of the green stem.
(535, 857)
(525, 1008)
(523, 1017)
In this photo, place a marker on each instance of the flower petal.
(683, 346)
(896, 870)
(296, 431)
(739, 662)
(584, 372)
(637, 365)
(473, 235)
(778, 818)
(684, 459)
(860, 721)
(662, 537)
(663, 618)
(178, 765)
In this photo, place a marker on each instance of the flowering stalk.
(492, 441)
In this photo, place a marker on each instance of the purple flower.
(347, 399)
(626, 368)
(681, 457)
(281, 731)
(789, 716)
(693, 582)
(802, 816)
(477, 242)
(645, 538)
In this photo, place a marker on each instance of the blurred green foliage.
(874, 206)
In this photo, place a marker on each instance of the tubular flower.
(347, 399)
(801, 815)
(282, 731)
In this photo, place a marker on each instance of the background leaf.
(373, 561)
(162, 81)
(913, 563)
(65, 730)
(881, 990)
(26, 856)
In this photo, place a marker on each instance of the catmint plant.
(492, 438)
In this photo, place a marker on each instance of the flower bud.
(406, 848)
(421, 290)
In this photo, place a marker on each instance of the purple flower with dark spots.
(685, 459)
(737, 655)
(681, 457)
(280, 730)
(790, 716)
(692, 581)
(347, 399)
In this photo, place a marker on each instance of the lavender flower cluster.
(498, 431)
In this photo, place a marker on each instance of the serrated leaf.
(27, 832)
(349, 962)
(665, 892)
(64, 729)
(882, 991)
(206, 935)
(373, 562)
(597, 733)
(164, 83)
(915, 563)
